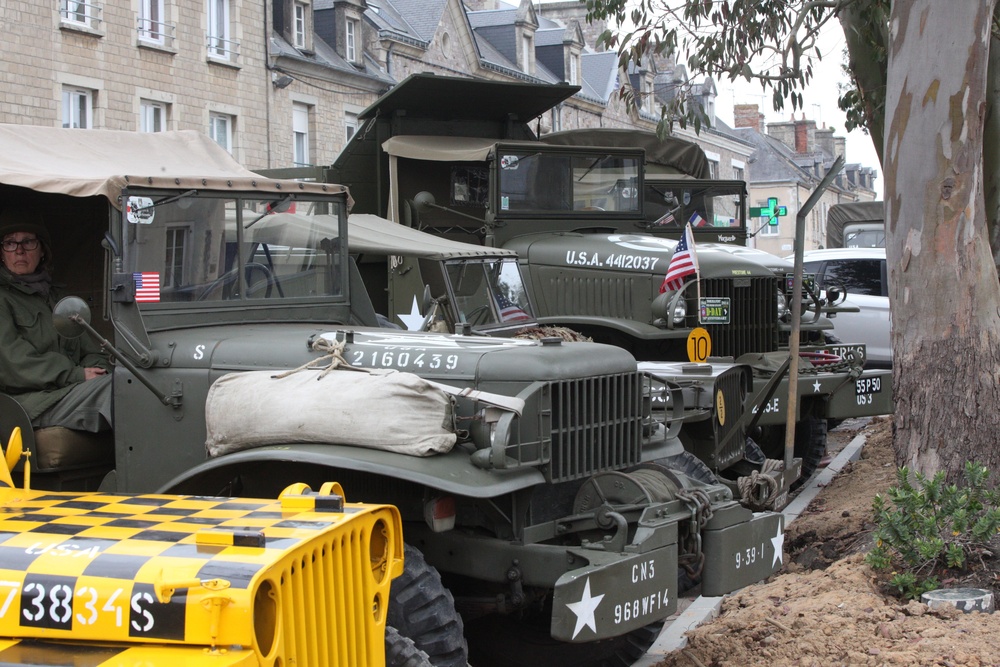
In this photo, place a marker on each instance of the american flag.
(697, 220)
(666, 219)
(683, 263)
(147, 287)
(510, 311)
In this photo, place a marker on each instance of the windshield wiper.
(279, 206)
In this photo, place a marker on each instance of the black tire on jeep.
(422, 609)
(810, 444)
(400, 651)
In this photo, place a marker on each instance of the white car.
(862, 272)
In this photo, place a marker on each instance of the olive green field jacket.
(37, 365)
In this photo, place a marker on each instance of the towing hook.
(608, 518)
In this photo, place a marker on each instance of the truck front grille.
(732, 386)
(753, 308)
(326, 592)
(596, 425)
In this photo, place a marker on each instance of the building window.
(350, 125)
(152, 116)
(713, 169)
(526, 51)
(151, 26)
(350, 40)
(220, 46)
(300, 135)
(77, 107)
(574, 70)
(220, 128)
(300, 25)
(174, 265)
(738, 173)
(79, 12)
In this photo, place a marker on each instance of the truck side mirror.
(64, 316)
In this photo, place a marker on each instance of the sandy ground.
(827, 607)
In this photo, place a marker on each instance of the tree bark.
(944, 291)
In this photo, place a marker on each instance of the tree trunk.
(943, 281)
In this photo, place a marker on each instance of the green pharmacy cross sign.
(772, 211)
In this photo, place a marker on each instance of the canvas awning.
(85, 163)
(371, 234)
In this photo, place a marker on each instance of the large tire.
(810, 444)
(400, 651)
(422, 609)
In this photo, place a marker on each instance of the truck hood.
(630, 253)
(445, 357)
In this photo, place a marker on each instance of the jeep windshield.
(543, 181)
(489, 293)
(669, 205)
(224, 250)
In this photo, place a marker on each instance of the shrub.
(932, 527)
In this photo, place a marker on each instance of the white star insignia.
(815, 384)
(584, 609)
(414, 320)
(778, 542)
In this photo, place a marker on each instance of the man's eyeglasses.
(26, 244)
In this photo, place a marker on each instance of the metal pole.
(793, 343)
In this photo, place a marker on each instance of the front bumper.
(829, 396)
(28, 652)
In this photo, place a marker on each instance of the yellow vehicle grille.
(330, 603)
(299, 581)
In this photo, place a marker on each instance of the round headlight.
(680, 311)
(782, 305)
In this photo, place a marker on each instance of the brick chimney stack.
(805, 135)
(748, 115)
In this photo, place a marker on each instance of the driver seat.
(62, 459)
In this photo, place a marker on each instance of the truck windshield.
(674, 204)
(197, 248)
(488, 293)
(540, 182)
(864, 238)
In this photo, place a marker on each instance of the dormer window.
(299, 23)
(574, 70)
(527, 51)
(350, 40)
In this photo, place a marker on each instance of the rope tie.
(760, 481)
(334, 356)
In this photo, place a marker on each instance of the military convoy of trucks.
(576, 209)
(562, 500)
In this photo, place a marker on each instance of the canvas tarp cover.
(372, 234)
(84, 163)
(685, 157)
(380, 409)
(841, 215)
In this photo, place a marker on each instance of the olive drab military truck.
(536, 489)
(576, 218)
(856, 225)
(124, 579)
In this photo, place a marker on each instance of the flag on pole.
(683, 263)
(697, 220)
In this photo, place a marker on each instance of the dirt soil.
(827, 607)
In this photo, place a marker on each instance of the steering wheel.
(478, 315)
(268, 279)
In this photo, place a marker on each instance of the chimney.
(748, 115)
(805, 135)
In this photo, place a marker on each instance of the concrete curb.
(705, 609)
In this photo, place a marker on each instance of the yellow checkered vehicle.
(103, 579)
